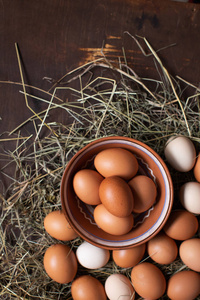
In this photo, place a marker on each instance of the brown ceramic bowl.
(148, 224)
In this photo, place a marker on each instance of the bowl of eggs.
(116, 193)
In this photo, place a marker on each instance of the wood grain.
(55, 37)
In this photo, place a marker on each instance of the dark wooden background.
(55, 37)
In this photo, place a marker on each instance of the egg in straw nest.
(41, 261)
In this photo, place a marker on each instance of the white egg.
(190, 196)
(180, 153)
(92, 257)
(118, 286)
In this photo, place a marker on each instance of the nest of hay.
(120, 104)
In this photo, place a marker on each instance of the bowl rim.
(118, 245)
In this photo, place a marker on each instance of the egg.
(189, 252)
(189, 195)
(116, 162)
(144, 192)
(115, 194)
(180, 153)
(148, 280)
(118, 286)
(181, 225)
(86, 184)
(162, 249)
(92, 257)
(58, 227)
(184, 285)
(87, 287)
(196, 169)
(60, 263)
(110, 223)
(128, 258)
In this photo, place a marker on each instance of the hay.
(119, 104)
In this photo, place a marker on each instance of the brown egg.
(86, 184)
(58, 227)
(60, 263)
(144, 192)
(116, 162)
(128, 258)
(189, 252)
(196, 169)
(87, 287)
(148, 280)
(116, 196)
(184, 285)
(181, 225)
(162, 249)
(110, 223)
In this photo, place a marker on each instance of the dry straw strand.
(122, 105)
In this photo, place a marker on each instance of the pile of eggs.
(180, 152)
(115, 189)
(178, 240)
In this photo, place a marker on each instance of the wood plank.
(55, 37)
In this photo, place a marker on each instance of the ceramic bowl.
(147, 224)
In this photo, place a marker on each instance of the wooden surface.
(55, 37)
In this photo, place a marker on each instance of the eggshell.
(128, 258)
(60, 263)
(116, 162)
(57, 226)
(190, 196)
(180, 153)
(181, 225)
(162, 249)
(184, 285)
(87, 287)
(118, 286)
(92, 257)
(110, 223)
(197, 169)
(189, 252)
(148, 280)
(144, 192)
(86, 184)
(116, 196)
